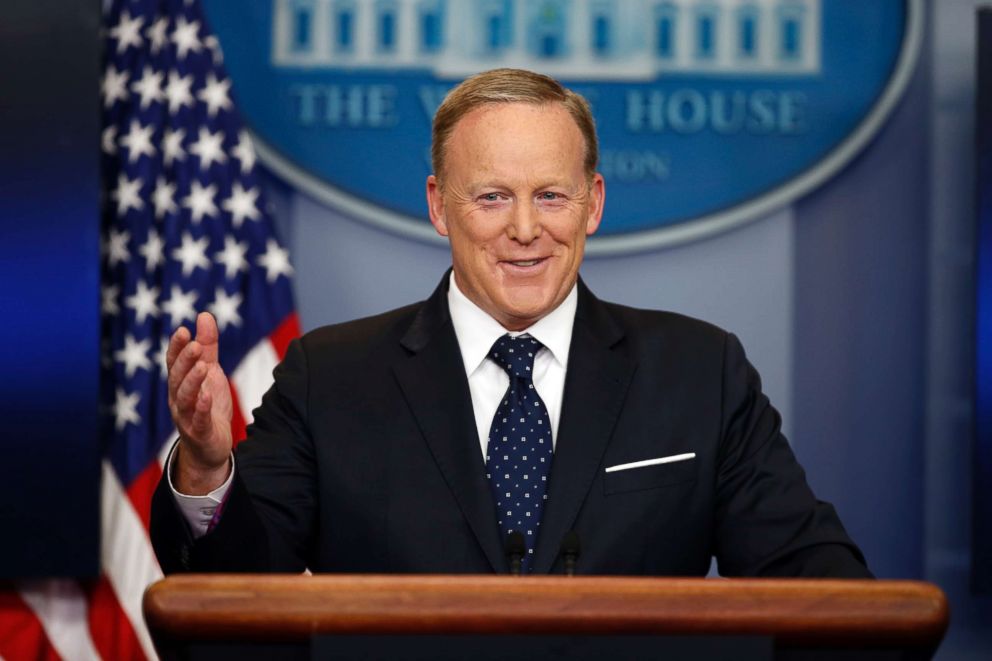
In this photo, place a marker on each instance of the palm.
(215, 383)
(219, 431)
(200, 396)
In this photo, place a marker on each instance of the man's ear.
(597, 198)
(435, 206)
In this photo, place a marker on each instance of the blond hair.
(510, 86)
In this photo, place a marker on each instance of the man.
(511, 401)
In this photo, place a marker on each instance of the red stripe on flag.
(141, 490)
(287, 331)
(111, 630)
(21, 633)
(238, 426)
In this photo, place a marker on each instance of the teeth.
(529, 262)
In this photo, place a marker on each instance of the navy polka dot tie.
(519, 454)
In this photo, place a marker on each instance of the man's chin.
(521, 313)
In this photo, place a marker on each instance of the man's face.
(516, 207)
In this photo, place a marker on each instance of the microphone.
(515, 549)
(570, 550)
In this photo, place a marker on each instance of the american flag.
(184, 229)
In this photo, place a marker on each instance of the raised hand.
(201, 407)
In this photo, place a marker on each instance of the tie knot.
(516, 355)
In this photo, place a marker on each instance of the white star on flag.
(242, 204)
(225, 308)
(117, 250)
(134, 355)
(215, 95)
(138, 141)
(161, 358)
(108, 299)
(233, 257)
(200, 201)
(163, 198)
(244, 152)
(127, 194)
(172, 146)
(178, 93)
(127, 32)
(214, 46)
(126, 409)
(209, 147)
(153, 250)
(192, 253)
(180, 306)
(184, 36)
(149, 87)
(144, 302)
(275, 260)
(114, 86)
(108, 140)
(156, 35)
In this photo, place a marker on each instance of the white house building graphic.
(590, 39)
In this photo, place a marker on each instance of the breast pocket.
(638, 478)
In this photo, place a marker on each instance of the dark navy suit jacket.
(364, 457)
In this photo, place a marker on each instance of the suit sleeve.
(268, 521)
(768, 522)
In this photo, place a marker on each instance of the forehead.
(511, 136)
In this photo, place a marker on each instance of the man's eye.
(491, 197)
(548, 196)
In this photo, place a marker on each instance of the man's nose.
(525, 223)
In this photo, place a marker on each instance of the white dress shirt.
(476, 332)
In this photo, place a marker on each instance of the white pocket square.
(652, 462)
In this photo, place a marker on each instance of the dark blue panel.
(982, 511)
(49, 267)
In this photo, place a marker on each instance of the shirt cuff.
(200, 512)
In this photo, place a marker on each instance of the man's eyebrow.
(548, 183)
(485, 183)
(570, 187)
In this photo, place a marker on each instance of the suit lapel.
(436, 389)
(595, 388)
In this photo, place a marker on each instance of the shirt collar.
(477, 331)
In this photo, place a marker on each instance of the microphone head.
(570, 543)
(515, 544)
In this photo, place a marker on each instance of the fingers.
(184, 352)
(192, 390)
(177, 343)
(183, 363)
(202, 422)
(188, 392)
(206, 335)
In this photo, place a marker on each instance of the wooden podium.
(282, 615)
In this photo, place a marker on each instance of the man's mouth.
(523, 263)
